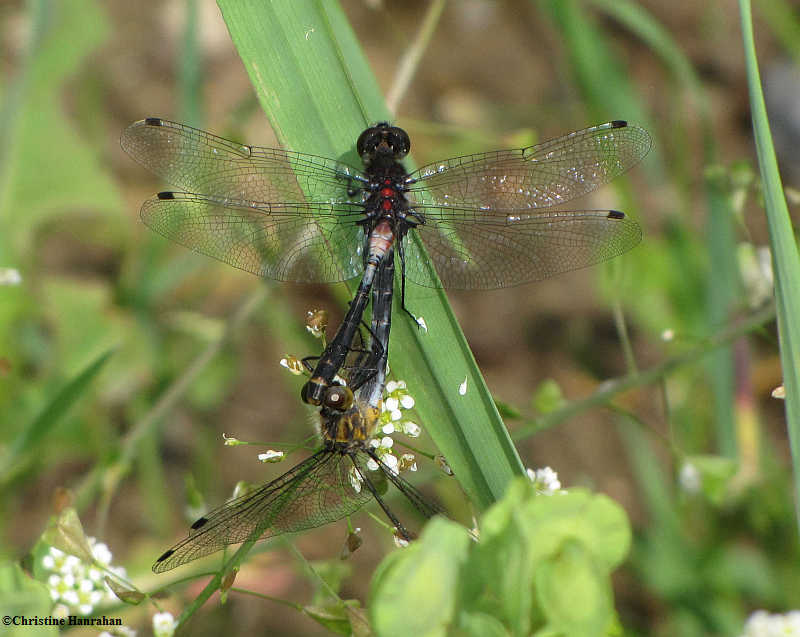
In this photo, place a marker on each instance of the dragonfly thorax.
(354, 424)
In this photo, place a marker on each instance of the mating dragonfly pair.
(487, 220)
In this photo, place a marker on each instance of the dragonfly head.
(383, 140)
(317, 392)
(338, 398)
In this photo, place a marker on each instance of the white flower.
(388, 429)
(10, 276)
(164, 625)
(391, 462)
(393, 385)
(71, 598)
(411, 429)
(372, 465)
(293, 365)
(407, 401)
(271, 456)
(101, 553)
(230, 441)
(668, 335)
(763, 624)
(545, 480)
(70, 564)
(399, 542)
(408, 462)
(60, 611)
(391, 404)
(689, 478)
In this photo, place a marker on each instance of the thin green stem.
(108, 478)
(410, 61)
(609, 389)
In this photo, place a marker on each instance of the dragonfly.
(486, 220)
(333, 482)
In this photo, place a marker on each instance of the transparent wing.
(303, 242)
(471, 250)
(195, 161)
(422, 504)
(540, 176)
(315, 492)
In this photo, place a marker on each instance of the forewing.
(425, 506)
(195, 161)
(540, 176)
(303, 242)
(317, 491)
(471, 250)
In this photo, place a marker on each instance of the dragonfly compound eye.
(369, 140)
(339, 398)
(399, 141)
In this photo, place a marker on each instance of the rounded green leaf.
(414, 591)
(574, 595)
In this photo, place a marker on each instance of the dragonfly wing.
(475, 250)
(303, 242)
(421, 503)
(193, 160)
(547, 174)
(317, 491)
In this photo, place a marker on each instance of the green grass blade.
(785, 258)
(319, 93)
(50, 415)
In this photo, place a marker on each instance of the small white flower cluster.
(545, 481)
(763, 624)
(396, 398)
(391, 421)
(77, 587)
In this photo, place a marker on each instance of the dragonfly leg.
(401, 530)
(402, 252)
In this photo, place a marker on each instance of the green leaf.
(785, 257)
(23, 596)
(66, 534)
(574, 595)
(500, 575)
(477, 624)
(124, 593)
(595, 520)
(45, 166)
(334, 617)
(414, 591)
(319, 93)
(36, 431)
